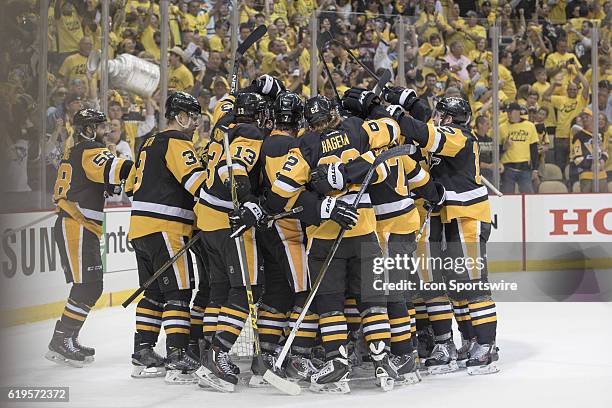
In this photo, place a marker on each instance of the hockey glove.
(328, 177)
(268, 85)
(360, 101)
(340, 212)
(245, 217)
(396, 111)
(400, 96)
(436, 205)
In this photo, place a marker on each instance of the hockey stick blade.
(401, 150)
(282, 384)
(382, 82)
(255, 36)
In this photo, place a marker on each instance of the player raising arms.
(87, 174)
(333, 142)
(168, 175)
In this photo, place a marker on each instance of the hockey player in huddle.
(334, 141)
(466, 219)
(167, 178)
(244, 129)
(397, 221)
(87, 174)
(283, 246)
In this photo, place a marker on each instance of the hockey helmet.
(87, 117)
(288, 109)
(182, 102)
(318, 109)
(457, 108)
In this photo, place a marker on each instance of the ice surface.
(551, 355)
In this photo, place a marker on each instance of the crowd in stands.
(545, 72)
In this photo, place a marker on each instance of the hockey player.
(87, 174)
(331, 140)
(397, 222)
(212, 209)
(466, 217)
(284, 252)
(168, 175)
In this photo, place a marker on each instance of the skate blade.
(462, 364)
(386, 383)
(340, 387)
(148, 372)
(89, 359)
(409, 379)
(59, 359)
(443, 369)
(282, 384)
(177, 377)
(257, 381)
(207, 380)
(483, 370)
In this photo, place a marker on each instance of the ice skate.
(259, 366)
(147, 363)
(300, 368)
(425, 345)
(463, 352)
(333, 377)
(406, 368)
(88, 352)
(180, 366)
(216, 371)
(483, 359)
(384, 371)
(443, 358)
(62, 349)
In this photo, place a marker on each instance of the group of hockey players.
(306, 159)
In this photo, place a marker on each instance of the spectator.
(220, 90)
(68, 29)
(519, 146)
(179, 77)
(485, 146)
(582, 155)
(558, 63)
(506, 81)
(75, 66)
(568, 107)
(432, 21)
(457, 61)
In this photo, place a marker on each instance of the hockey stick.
(282, 384)
(255, 36)
(284, 214)
(161, 270)
(425, 223)
(328, 38)
(320, 44)
(14, 231)
(491, 186)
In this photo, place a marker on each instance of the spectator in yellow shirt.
(430, 21)
(568, 107)
(179, 76)
(196, 19)
(75, 66)
(519, 144)
(69, 30)
(559, 61)
(506, 81)
(216, 40)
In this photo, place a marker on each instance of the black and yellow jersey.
(581, 154)
(454, 162)
(168, 175)
(393, 199)
(353, 139)
(84, 171)
(222, 108)
(215, 201)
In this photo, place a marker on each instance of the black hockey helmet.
(457, 108)
(87, 117)
(182, 102)
(288, 109)
(250, 107)
(318, 109)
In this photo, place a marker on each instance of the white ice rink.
(551, 355)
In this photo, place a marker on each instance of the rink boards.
(529, 233)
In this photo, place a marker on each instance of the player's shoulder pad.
(90, 144)
(246, 130)
(278, 145)
(309, 145)
(175, 134)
